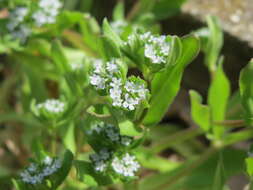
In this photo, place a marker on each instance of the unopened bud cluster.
(36, 173)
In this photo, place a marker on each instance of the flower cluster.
(125, 165)
(48, 10)
(124, 94)
(157, 49)
(36, 173)
(16, 25)
(52, 106)
(108, 158)
(110, 132)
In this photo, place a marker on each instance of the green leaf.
(63, 172)
(200, 113)
(166, 84)
(249, 164)
(109, 33)
(69, 137)
(150, 161)
(214, 44)
(166, 8)
(246, 91)
(110, 48)
(218, 95)
(119, 12)
(87, 175)
(128, 128)
(59, 57)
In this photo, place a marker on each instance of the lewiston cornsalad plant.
(91, 98)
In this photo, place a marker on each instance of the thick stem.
(231, 123)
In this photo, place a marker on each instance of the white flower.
(21, 33)
(127, 166)
(98, 81)
(16, 25)
(19, 14)
(145, 36)
(156, 48)
(116, 82)
(98, 66)
(100, 159)
(126, 141)
(52, 105)
(111, 67)
(129, 102)
(48, 10)
(100, 166)
(48, 160)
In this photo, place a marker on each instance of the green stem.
(238, 137)
(134, 11)
(231, 123)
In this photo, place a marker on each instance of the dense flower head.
(126, 94)
(47, 12)
(125, 165)
(103, 72)
(36, 173)
(52, 106)
(156, 48)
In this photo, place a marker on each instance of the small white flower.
(48, 160)
(98, 66)
(48, 10)
(126, 141)
(100, 159)
(116, 82)
(130, 103)
(127, 166)
(145, 36)
(52, 105)
(156, 48)
(111, 67)
(98, 81)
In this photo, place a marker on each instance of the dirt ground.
(236, 15)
